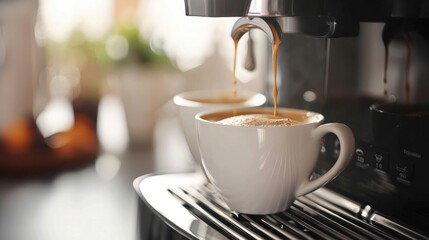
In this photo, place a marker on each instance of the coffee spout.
(235, 8)
(217, 8)
(268, 25)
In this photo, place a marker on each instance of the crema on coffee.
(260, 120)
(260, 117)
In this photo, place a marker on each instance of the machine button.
(379, 159)
(404, 170)
(362, 155)
(405, 166)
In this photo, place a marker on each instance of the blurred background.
(85, 107)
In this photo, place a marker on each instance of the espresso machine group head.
(326, 20)
(321, 18)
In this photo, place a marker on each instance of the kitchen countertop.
(94, 202)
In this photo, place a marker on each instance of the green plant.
(132, 48)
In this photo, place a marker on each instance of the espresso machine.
(362, 63)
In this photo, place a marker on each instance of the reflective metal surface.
(191, 207)
(321, 18)
(364, 10)
(267, 8)
(270, 26)
(217, 8)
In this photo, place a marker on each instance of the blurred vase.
(22, 87)
(144, 90)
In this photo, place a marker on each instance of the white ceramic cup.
(188, 106)
(262, 170)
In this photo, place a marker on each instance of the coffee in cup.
(263, 119)
(193, 102)
(259, 164)
(392, 122)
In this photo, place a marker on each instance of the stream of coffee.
(275, 48)
(407, 39)
(386, 63)
(234, 81)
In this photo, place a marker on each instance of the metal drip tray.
(189, 205)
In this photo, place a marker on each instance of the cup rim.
(318, 116)
(184, 98)
(377, 108)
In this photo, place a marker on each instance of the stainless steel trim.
(295, 229)
(217, 8)
(318, 26)
(257, 226)
(337, 200)
(308, 226)
(254, 223)
(266, 221)
(268, 25)
(276, 228)
(186, 202)
(307, 214)
(220, 212)
(194, 204)
(351, 216)
(334, 219)
(267, 8)
(385, 222)
(153, 190)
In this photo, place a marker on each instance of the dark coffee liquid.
(275, 47)
(407, 39)
(234, 81)
(402, 111)
(386, 63)
(258, 120)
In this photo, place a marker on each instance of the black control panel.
(399, 163)
(389, 169)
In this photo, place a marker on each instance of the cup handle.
(347, 143)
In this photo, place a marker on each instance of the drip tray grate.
(194, 208)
